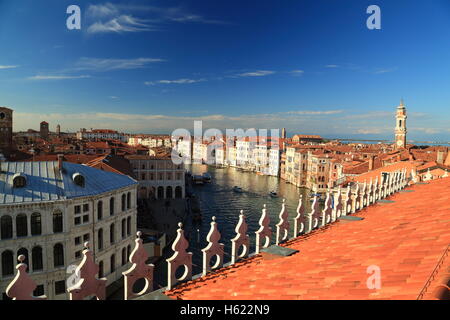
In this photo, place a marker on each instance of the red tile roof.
(406, 239)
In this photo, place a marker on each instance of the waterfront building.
(48, 209)
(158, 176)
(231, 156)
(184, 148)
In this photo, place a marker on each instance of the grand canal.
(218, 199)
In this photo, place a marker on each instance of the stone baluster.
(395, 183)
(363, 196)
(300, 218)
(347, 202)
(22, 286)
(264, 233)
(370, 193)
(241, 240)
(338, 207)
(180, 258)
(313, 218)
(376, 190)
(214, 248)
(356, 199)
(283, 224)
(138, 270)
(88, 284)
(326, 212)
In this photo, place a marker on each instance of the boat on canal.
(237, 189)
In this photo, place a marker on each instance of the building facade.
(6, 127)
(158, 177)
(48, 210)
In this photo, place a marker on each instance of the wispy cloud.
(331, 66)
(121, 18)
(97, 64)
(327, 112)
(297, 72)
(121, 24)
(57, 77)
(259, 73)
(178, 81)
(8, 67)
(385, 70)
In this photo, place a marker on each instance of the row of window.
(160, 166)
(125, 231)
(6, 225)
(152, 176)
(126, 252)
(8, 259)
(125, 202)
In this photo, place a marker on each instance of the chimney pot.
(60, 161)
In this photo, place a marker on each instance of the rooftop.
(406, 239)
(45, 182)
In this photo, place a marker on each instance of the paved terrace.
(406, 239)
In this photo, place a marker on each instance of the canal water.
(217, 198)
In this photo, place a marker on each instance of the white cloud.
(120, 24)
(329, 112)
(331, 66)
(102, 10)
(385, 70)
(178, 81)
(57, 77)
(121, 18)
(97, 64)
(259, 73)
(297, 72)
(8, 67)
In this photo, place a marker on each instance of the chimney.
(440, 157)
(60, 161)
(371, 160)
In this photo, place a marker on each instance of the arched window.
(101, 273)
(21, 225)
(128, 251)
(24, 252)
(124, 224)
(57, 222)
(36, 224)
(129, 200)
(7, 263)
(100, 239)
(129, 226)
(6, 227)
(124, 202)
(178, 192)
(113, 263)
(111, 206)
(100, 210)
(112, 234)
(58, 255)
(124, 256)
(169, 192)
(36, 257)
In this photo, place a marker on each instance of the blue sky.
(153, 66)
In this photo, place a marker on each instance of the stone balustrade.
(338, 203)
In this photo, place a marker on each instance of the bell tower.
(400, 128)
(6, 126)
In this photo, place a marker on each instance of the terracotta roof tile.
(406, 239)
